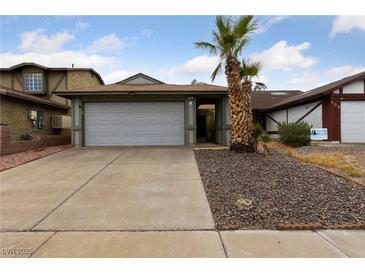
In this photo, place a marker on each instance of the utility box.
(61, 121)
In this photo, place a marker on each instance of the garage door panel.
(134, 123)
(353, 122)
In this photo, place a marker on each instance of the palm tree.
(249, 70)
(229, 39)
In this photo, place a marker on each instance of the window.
(33, 82)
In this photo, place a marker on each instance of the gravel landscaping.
(282, 190)
(16, 159)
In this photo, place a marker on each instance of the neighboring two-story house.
(31, 114)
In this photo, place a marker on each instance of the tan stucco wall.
(54, 77)
(5, 79)
(15, 113)
(80, 79)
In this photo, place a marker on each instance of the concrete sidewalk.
(186, 244)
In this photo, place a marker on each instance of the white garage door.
(353, 122)
(134, 123)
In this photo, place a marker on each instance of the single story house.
(142, 110)
(29, 106)
(338, 106)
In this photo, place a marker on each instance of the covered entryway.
(134, 123)
(353, 121)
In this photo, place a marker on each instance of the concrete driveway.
(106, 189)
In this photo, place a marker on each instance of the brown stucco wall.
(15, 114)
(80, 79)
(5, 79)
(57, 80)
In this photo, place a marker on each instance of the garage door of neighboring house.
(353, 122)
(134, 123)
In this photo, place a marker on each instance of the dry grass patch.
(338, 161)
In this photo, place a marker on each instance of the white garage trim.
(134, 123)
(353, 121)
(310, 113)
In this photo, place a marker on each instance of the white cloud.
(260, 79)
(200, 64)
(106, 43)
(80, 25)
(168, 72)
(306, 81)
(268, 22)
(282, 56)
(345, 24)
(343, 71)
(307, 77)
(147, 32)
(38, 42)
(116, 76)
(57, 59)
(197, 67)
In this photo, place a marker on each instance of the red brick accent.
(299, 226)
(348, 226)
(315, 226)
(7, 147)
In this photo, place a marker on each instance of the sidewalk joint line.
(328, 241)
(78, 189)
(224, 247)
(39, 247)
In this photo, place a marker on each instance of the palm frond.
(241, 45)
(249, 69)
(223, 25)
(206, 45)
(245, 26)
(216, 71)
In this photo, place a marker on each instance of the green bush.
(258, 131)
(295, 134)
(260, 134)
(265, 138)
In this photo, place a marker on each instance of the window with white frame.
(33, 82)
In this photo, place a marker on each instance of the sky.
(296, 52)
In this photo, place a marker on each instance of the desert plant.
(260, 134)
(294, 134)
(229, 39)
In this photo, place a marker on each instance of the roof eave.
(133, 93)
(34, 100)
(299, 102)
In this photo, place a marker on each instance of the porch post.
(226, 132)
(190, 120)
(76, 134)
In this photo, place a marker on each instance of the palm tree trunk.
(241, 121)
(249, 141)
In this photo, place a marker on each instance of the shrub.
(265, 138)
(295, 134)
(260, 134)
(258, 131)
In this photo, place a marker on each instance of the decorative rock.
(244, 203)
